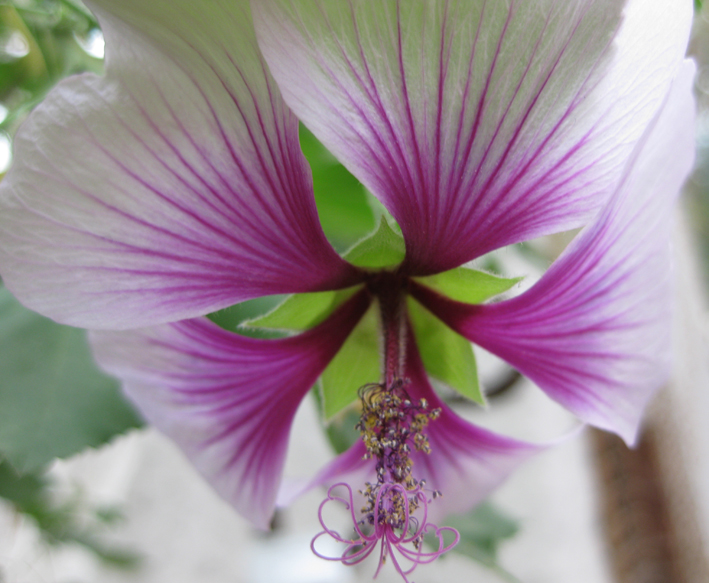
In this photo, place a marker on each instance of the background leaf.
(54, 401)
(63, 521)
(49, 42)
(481, 530)
(343, 205)
(340, 431)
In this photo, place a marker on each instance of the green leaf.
(23, 490)
(342, 202)
(344, 212)
(33, 61)
(446, 355)
(302, 311)
(341, 431)
(383, 248)
(315, 153)
(468, 285)
(356, 364)
(481, 532)
(54, 401)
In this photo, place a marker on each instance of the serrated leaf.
(54, 401)
(383, 248)
(302, 311)
(356, 364)
(468, 285)
(446, 355)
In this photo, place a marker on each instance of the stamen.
(391, 425)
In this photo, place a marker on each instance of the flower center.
(392, 427)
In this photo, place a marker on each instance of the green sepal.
(233, 317)
(446, 355)
(355, 365)
(383, 248)
(468, 285)
(302, 311)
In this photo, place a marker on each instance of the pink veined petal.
(478, 123)
(466, 462)
(172, 187)
(227, 400)
(594, 332)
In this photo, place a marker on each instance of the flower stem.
(393, 316)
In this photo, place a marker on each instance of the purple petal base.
(465, 464)
(594, 332)
(227, 400)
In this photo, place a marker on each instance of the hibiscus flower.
(174, 186)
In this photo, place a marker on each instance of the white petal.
(169, 188)
(477, 123)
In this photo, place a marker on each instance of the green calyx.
(469, 286)
(447, 356)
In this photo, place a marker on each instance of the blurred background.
(90, 495)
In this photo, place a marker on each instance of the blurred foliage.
(41, 42)
(341, 430)
(482, 531)
(54, 401)
(696, 198)
(63, 521)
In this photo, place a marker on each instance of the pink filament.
(362, 545)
